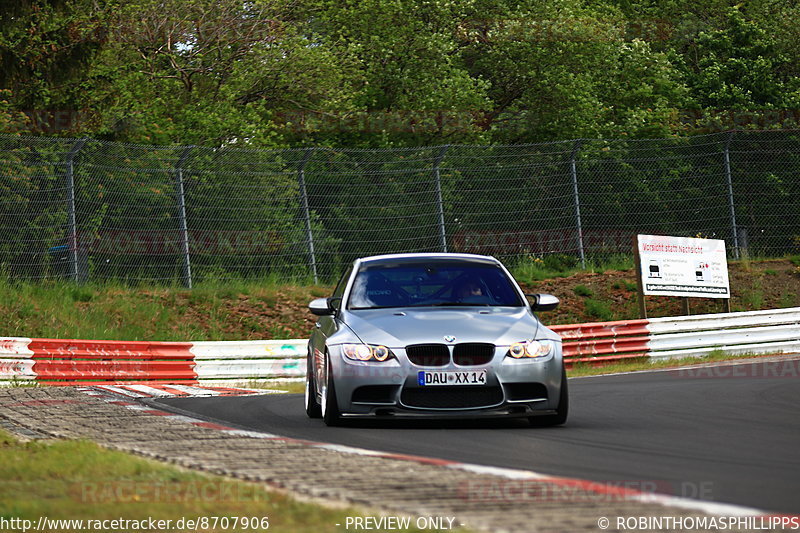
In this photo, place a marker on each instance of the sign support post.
(639, 285)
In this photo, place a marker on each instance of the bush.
(560, 262)
(599, 310)
(582, 290)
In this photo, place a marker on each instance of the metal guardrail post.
(439, 201)
(731, 205)
(183, 227)
(301, 181)
(72, 224)
(574, 173)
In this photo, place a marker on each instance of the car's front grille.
(428, 354)
(473, 353)
(451, 397)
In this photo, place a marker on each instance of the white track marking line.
(251, 434)
(138, 407)
(349, 449)
(253, 392)
(124, 392)
(151, 391)
(195, 391)
(713, 508)
(182, 418)
(508, 473)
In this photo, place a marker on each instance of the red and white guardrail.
(756, 332)
(73, 362)
(70, 362)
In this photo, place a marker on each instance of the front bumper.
(514, 388)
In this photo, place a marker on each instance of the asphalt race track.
(728, 434)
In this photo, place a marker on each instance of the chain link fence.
(86, 209)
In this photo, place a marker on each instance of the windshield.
(431, 284)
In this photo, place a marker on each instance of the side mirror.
(321, 307)
(543, 302)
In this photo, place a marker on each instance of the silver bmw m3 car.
(433, 335)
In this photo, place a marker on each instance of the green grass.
(583, 369)
(60, 309)
(582, 290)
(80, 480)
(789, 299)
(629, 286)
(534, 270)
(531, 269)
(293, 387)
(618, 262)
(598, 309)
(753, 298)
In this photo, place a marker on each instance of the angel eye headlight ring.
(531, 349)
(517, 350)
(381, 353)
(366, 352)
(538, 348)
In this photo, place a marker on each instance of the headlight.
(366, 352)
(522, 349)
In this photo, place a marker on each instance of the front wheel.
(561, 411)
(330, 407)
(313, 408)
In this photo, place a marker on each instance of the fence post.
(574, 172)
(184, 229)
(731, 205)
(439, 201)
(301, 181)
(72, 225)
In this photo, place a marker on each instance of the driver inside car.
(469, 291)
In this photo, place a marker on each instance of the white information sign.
(680, 266)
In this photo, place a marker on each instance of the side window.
(339, 290)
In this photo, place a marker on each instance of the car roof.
(412, 257)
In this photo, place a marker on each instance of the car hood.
(396, 328)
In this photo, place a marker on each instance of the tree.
(209, 72)
(561, 69)
(45, 49)
(740, 67)
(411, 86)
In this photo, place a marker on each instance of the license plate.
(426, 378)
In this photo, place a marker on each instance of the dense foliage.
(380, 73)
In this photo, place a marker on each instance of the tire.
(313, 408)
(330, 407)
(561, 411)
